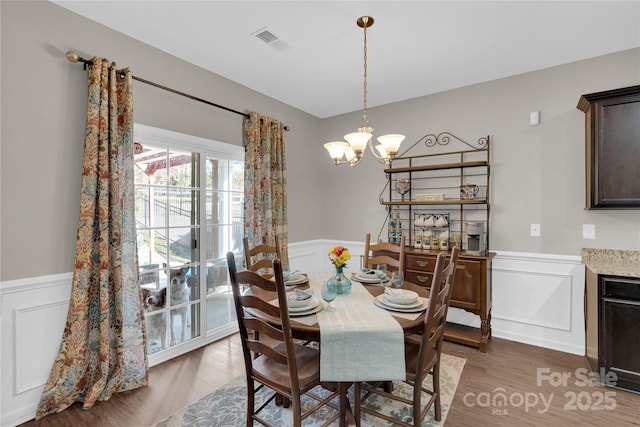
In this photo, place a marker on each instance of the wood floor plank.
(509, 367)
(521, 372)
(172, 385)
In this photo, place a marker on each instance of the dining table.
(359, 339)
(307, 327)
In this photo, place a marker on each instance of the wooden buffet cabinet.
(471, 291)
(433, 182)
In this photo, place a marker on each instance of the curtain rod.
(74, 57)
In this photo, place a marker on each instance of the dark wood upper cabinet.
(612, 148)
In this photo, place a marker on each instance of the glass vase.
(341, 282)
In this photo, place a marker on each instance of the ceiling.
(415, 48)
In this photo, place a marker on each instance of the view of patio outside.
(173, 238)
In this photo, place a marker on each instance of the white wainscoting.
(537, 299)
(34, 312)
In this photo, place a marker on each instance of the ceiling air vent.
(266, 36)
(271, 39)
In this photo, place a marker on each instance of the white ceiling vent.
(266, 36)
(271, 39)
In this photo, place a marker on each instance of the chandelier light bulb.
(391, 143)
(358, 140)
(336, 149)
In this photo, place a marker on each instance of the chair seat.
(307, 361)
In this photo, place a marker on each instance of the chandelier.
(352, 151)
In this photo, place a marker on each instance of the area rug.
(226, 406)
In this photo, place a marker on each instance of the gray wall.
(43, 113)
(43, 118)
(537, 174)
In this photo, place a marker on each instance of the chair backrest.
(436, 316)
(449, 274)
(280, 347)
(386, 253)
(260, 258)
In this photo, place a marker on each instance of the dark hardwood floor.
(529, 378)
(172, 386)
(525, 373)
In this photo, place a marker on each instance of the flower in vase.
(339, 255)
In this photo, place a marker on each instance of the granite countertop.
(612, 261)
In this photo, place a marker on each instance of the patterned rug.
(226, 406)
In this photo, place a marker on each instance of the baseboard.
(562, 346)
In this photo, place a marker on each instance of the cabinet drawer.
(419, 278)
(420, 263)
(619, 287)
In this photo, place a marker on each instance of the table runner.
(358, 340)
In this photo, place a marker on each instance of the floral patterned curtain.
(103, 349)
(265, 183)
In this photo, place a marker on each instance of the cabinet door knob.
(422, 263)
(422, 279)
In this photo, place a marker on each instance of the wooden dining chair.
(422, 352)
(288, 369)
(260, 257)
(383, 253)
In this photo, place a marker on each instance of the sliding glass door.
(189, 195)
(224, 231)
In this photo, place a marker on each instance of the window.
(189, 207)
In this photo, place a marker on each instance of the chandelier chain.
(365, 116)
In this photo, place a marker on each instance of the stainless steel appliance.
(475, 238)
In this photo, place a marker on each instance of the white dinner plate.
(319, 306)
(299, 281)
(379, 301)
(369, 280)
(373, 275)
(313, 302)
(413, 304)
